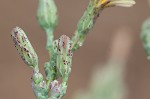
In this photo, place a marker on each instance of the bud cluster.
(58, 67)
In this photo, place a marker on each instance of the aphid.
(24, 47)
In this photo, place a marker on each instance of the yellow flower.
(111, 3)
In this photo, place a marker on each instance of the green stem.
(36, 69)
(85, 24)
(50, 38)
(77, 41)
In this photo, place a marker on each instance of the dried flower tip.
(24, 47)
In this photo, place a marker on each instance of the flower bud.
(47, 14)
(24, 47)
(37, 77)
(55, 89)
(40, 90)
(62, 48)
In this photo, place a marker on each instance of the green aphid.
(24, 47)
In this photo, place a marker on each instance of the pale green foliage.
(106, 83)
(145, 36)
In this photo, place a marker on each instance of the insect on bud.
(24, 47)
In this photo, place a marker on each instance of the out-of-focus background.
(14, 74)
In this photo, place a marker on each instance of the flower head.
(111, 3)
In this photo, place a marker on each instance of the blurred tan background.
(15, 76)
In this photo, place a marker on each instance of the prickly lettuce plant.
(58, 67)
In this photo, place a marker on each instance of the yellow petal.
(102, 2)
(122, 3)
(110, 3)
